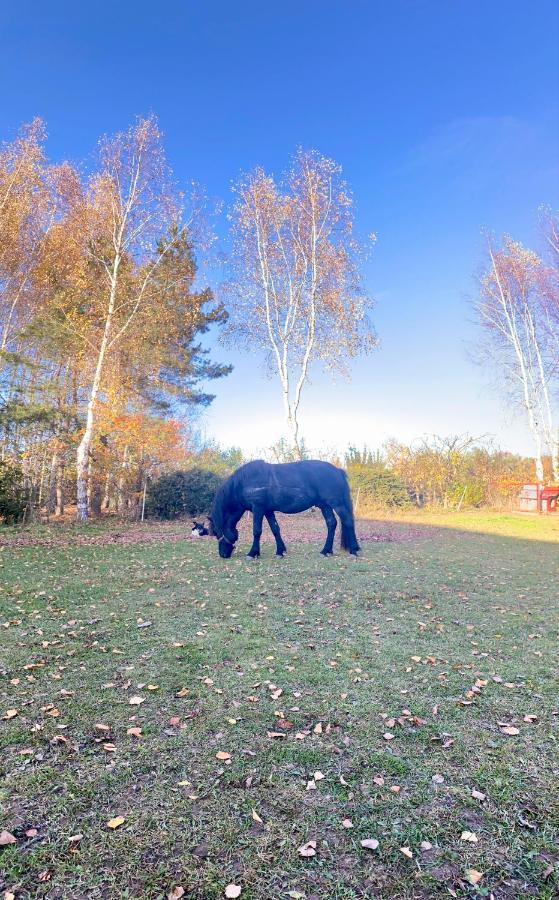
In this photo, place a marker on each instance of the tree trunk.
(51, 498)
(59, 506)
(84, 448)
(121, 490)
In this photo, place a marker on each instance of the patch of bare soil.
(305, 528)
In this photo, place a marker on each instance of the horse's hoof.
(322, 553)
(252, 558)
(281, 555)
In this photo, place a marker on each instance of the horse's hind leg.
(257, 516)
(331, 523)
(275, 529)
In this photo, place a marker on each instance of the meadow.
(172, 724)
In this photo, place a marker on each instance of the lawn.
(225, 714)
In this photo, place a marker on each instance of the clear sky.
(444, 116)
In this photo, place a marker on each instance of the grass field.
(419, 683)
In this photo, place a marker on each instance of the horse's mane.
(228, 493)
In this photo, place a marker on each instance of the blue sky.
(444, 116)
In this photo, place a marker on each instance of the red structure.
(539, 499)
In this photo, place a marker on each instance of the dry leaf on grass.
(477, 795)
(469, 836)
(308, 849)
(116, 822)
(256, 817)
(222, 755)
(370, 844)
(233, 890)
(176, 893)
(10, 714)
(473, 876)
(6, 838)
(407, 852)
(135, 701)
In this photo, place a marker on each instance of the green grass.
(410, 626)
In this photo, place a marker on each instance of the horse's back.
(293, 486)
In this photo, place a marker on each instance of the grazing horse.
(265, 488)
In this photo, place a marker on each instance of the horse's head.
(226, 534)
(223, 520)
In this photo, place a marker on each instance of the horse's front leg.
(275, 529)
(257, 516)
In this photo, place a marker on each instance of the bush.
(469, 493)
(376, 486)
(188, 493)
(12, 494)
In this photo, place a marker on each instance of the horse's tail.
(348, 538)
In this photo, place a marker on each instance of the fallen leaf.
(469, 836)
(233, 890)
(311, 785)
(102, 727)
(6, 838)
(9, 895)
(222, 755)
(135, 701)
(318, 776)
(426, 845)
(114, 823)
(388, 736)
(10, 714)
(347, 823)
(437, 779)
(509, 729)
(256, 817)
(308, 849)
(296, 895)
(134, 732)
(370, 844)
(478, 794)
(407, 852)
(473, 876)
(176, 893)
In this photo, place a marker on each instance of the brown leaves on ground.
(116, 822)
(232, 890)
(370, 844)
(308, 849)
(6, 838)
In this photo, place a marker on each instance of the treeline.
(450, 473)
(100, 320)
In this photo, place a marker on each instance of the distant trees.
(517, 310)
(456, 471)
(295, 287)
(99, 321)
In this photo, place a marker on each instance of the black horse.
(265, 488)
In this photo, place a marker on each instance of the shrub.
(376, 486)
(12, 494)
(188, 493)
(469, 493)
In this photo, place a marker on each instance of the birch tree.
(510, 312)
(126, 210)
(295, 290)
